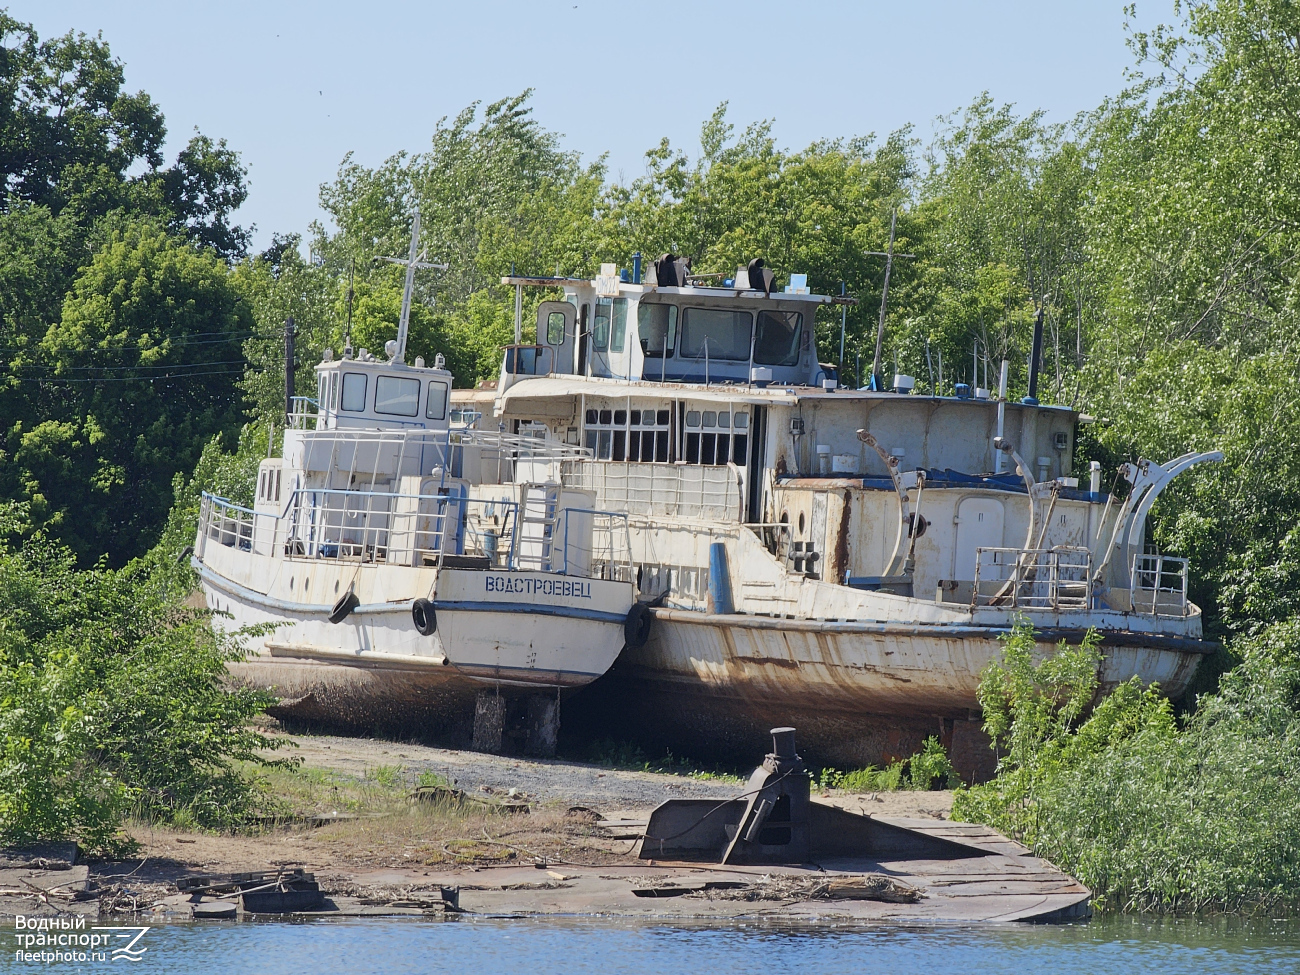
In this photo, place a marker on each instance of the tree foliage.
(119, 328)
(112, 701)
(138, 375)
(1151, 817)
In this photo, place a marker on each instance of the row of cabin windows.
(713, 333)
(394, 395)
(710, 440)
(645, 436)
(268, 487)
(720, 333)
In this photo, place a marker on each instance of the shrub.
(1150, 816)
(113, 700)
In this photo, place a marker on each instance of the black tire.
(636, 627)
(424, 617)
(344, 607)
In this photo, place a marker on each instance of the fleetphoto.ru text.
(64, 940)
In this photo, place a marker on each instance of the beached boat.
(416, 574)
(845, 561)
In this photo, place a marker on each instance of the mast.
(413, 261)
(876, 382)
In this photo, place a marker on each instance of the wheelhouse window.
(435, 408)
(396, 396)
(723, 333)
(354, 392)
(776, 340)
(714, 437)
(555, 328)
(609, 333)
(638, 436)
(334, 391)
(657, 327)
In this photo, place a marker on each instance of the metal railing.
(303, 413)
(367, 526)
(408, 529)
(683, 490)
(596, 544)
(1159, 585)
(1051, 579)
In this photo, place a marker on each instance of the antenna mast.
(415, 259)
(876, 382)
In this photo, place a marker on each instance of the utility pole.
(876, 382)
(288, 371)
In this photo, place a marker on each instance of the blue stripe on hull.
(403, 606)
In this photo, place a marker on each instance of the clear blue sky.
(295, 86)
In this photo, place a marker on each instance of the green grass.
(629, 757)
(927, 769)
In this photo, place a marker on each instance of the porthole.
(801, 523)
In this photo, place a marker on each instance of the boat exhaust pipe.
(1036, 356)
(721, 602)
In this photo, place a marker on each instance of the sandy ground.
(556, 781)
(380, 837)
(383, 838)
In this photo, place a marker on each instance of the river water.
(1111, 945)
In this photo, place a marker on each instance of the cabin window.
(354, 391)
(334, 391)
(637, 436)
(435, 408)
(720, 333)
(657, 327)
(277, 484)
(555, 328)
(776, 340)
(321, 390)
(618, 326)
(600, 326)
(709, 438)
(397, 397)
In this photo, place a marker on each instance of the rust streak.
(841, 561)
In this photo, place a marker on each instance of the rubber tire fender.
(344, 607)
(636, 626)
(424, 617)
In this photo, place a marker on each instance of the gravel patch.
(607, 790)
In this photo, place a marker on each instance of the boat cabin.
(366, 392)
(615, 328)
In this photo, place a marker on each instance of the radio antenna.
(877, 383)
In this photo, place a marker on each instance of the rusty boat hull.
(860, 693)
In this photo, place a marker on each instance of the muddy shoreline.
(503, 836)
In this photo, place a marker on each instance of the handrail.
(611, 565)
(1167, 586)
(397, 528)
(1052, 579)
(376, 527)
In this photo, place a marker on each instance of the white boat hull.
(516, 632)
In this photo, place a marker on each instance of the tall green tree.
(141, 370)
